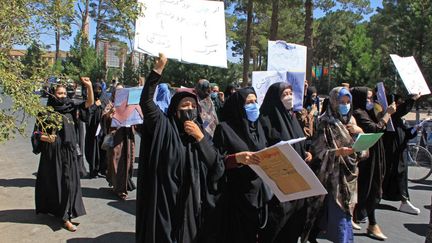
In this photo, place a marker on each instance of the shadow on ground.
(128, 206)
(113, 237)
(101, 193)
(419, 229)
(18, 182)
(424, 182)
(29, 216)
(421, 187)
(387, 207)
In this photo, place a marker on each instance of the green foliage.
(84, 61)
(32, 61)
(18, 82)
(359, 65)
(130, 73)
(182, 74)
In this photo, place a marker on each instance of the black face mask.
(187, 115)
(97, 95)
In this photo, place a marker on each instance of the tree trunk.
(98, 24)
(85, 22)
(57, 43)
(274, 20)
(247, 48)
(308, 38)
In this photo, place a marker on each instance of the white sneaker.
(407, 207)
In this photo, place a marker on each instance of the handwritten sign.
(411, 75)
(262, 80)
(286, 173)
(191, 31)
(382, 99)
(284, 56)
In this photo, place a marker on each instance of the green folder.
(365, 141)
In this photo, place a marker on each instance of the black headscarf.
(62, 106)
(359, 95)
(228, 90)
(99, 95)
(67, 109)
(278, 123)
(308, 101)
(234, 115)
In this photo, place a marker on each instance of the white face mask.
(287, 101)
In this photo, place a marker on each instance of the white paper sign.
(190, 31)
(262, 80)
(285, 172)
(284, 56)
(411, 75)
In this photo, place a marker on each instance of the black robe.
(395, 185)
(81, 117)
(177, 176)
(371, 171)
(286, 220)
(58, 187)
(242, 209)
(95, 156)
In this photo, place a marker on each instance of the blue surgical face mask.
(214, 95)
(252, 112)
(369, 105)
(344, 109)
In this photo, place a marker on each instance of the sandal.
(69, 226)
(122, 196)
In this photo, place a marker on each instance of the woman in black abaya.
(286, 220)
(395, 184)
(242, 209)
(94, 154)
(58, 188)
(178, 170)
(371, 171)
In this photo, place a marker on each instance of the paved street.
(111, 220)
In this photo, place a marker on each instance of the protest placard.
(382, 99)
(411, 75)
(191, 31)
(284, 56)
(262, 80)
(286, 173)
(127, 109)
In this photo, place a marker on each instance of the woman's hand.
(86, 81)
(48, 138)
(247, 158)
(160, 63)
(344, 151)
(192, 129)
(391, 108)
(354, 129)
(308, 158)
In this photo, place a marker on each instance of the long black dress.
(395, 185)
(58, 187)
(286, 220)
(177, 176)
(242, 209)
(94, 154)
(371, 171)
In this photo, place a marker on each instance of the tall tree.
(274, 20)
(247, 47)
(58, 16)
